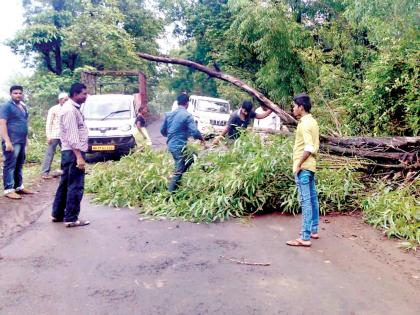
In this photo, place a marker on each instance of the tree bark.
(285, 117)
(390, 143)
(47, 60)
(58, 58)
(407, 157)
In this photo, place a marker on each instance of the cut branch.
(393, 156)
(285, 117)
(244, 262)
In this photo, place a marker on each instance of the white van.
(110, 119)
(210, 114)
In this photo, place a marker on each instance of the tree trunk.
(47, 60)
(58, 58)
(285, 117)
(407, 157)
(390, 143)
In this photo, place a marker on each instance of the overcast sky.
(11, 15)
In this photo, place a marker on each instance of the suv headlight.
(125, 128)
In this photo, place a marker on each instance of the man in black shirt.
(142, 134)
(240, 119)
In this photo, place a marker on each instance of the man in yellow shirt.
(304, 167)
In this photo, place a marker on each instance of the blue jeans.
(182, 164)
(12, 168)
(49, 155)
(69, 193)
(308, 197)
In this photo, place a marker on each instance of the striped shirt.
(73, 130)
(53, 122)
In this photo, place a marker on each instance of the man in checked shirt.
(74, 144)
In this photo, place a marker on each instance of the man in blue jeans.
(178, 126)
(14, 134)
(304, 167)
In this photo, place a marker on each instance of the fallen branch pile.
(398, 153)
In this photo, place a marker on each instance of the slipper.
(76, 223)
(298, 242)
(54, 219)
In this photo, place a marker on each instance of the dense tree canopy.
(67, 34)
(357, 59)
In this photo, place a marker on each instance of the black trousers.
(69, 193)
(182, 164)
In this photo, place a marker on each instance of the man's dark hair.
(16, 87)
(76, 88)
(183, 99)
(303, 100)
(247, 105)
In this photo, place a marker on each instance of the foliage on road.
(251, 175)
(396, 211)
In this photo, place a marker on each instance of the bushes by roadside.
(396, 211)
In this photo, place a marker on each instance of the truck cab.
(210, 114)
(110, 119)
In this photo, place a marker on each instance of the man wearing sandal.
(304, 167)
(74, 144)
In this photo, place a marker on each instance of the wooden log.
(285, 117)
(408, 157)
(384, 142)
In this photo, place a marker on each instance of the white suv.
(210, 114)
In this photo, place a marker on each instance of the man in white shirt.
(271, 122)
(53, 134)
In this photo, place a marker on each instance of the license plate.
(103, 147)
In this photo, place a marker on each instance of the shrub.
(397, 211)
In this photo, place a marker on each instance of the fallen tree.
(389, 152)
(286, 118)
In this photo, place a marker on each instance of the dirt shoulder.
(16, 215)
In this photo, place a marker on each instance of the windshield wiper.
(116, 112)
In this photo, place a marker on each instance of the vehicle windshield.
(107, 108)
(212, 106)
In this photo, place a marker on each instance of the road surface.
(125, 264)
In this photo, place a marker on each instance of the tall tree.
(64, 34)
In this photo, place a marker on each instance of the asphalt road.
(125, 264)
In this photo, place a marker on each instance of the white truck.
(210, 114)
(110, 119)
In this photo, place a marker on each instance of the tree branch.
(285, 117)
